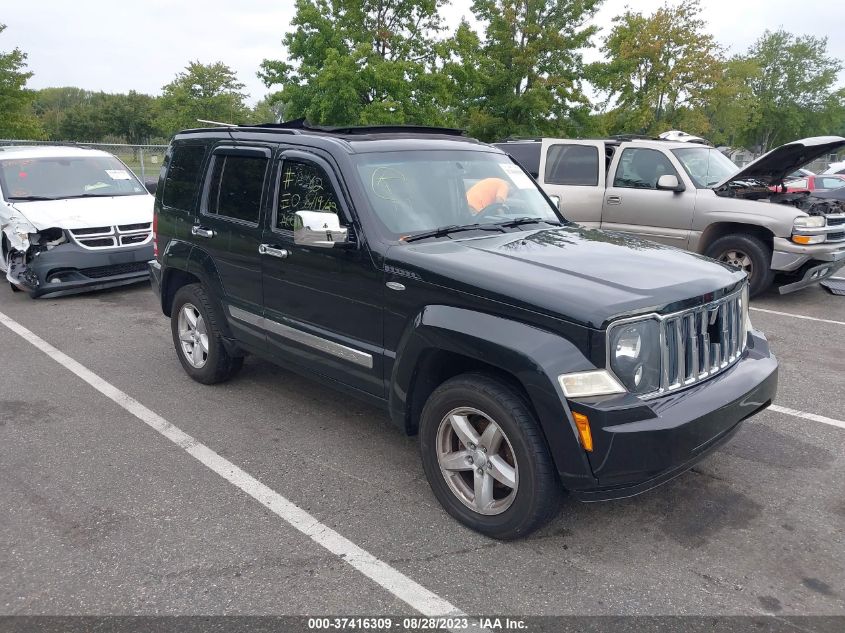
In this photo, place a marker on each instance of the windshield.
(419, 191)
(705, 166)
(55, 178)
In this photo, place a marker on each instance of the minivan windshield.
(420, 191)
(706, 166)
(57, 178)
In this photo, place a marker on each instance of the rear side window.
(572, 165)
(237, 183)
(182, 179)
(526, 154)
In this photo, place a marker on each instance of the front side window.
(706, 166)
(59, 178)
(640, 168)
(304, 186)
(182, 176)
(829, 183)
(422, 190)
(237, 183)
(572, 165)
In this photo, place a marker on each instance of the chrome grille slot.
(701, 342)
(95, 230)
(835, 220)
(124, 235)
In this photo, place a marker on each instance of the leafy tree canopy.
(17, 119)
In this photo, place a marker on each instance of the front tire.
(748, 253)
(197, 337)
(486, 459)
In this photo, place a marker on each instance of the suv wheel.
(748, 253)
(486, 459)
(197, 338)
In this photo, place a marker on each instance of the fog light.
(583, 425)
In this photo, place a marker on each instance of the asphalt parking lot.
(104, 515)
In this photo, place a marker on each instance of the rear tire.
(197, 337)
(485, 458)
(748, 253)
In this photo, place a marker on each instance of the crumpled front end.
(56, 261)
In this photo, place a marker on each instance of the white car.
(835, 168)
(72, 219)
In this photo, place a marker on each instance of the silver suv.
(691, 196)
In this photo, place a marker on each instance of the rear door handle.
(614, 200)
(201, 231)
(272, 251)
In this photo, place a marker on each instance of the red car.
(816, 182)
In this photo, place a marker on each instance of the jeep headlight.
(634, 354)
(809, 222)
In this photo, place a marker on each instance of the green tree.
(203, 91)
(730, 106)
(659, 69)
(361, 62)
(794, 89)
(525, 76)
(17, 119)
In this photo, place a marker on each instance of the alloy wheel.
(193, 336)
(739, 259)
(477, 461)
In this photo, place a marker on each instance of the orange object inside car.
(486, 192)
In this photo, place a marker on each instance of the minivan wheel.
(749, 254)
(197, 338)
(486, 459)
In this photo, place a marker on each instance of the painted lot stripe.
(807, 416)
(796, 316)
(408, 591)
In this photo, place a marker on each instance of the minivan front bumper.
(640, 445)
(69, 268)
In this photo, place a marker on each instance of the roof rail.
(298, 126)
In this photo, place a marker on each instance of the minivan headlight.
(634, 354)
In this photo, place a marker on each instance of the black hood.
(771, 168)
(585, 276)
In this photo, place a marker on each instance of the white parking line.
(807, 416)
(797, 316)
(408, 591)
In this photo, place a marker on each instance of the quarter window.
(572, 165)
(182, 177)
(640, 168)
(236, 186)
(304, 186)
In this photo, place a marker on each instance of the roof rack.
(302, 125)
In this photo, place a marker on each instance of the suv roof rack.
(301, 125)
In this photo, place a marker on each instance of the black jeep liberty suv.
(428, 273)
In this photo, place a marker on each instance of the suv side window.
(572, 165)
(182, 177)
(639, 168)
(236, 186)
(304, 186)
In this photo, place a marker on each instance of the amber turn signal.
(584, 433)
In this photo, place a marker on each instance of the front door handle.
(272, 251)
(614, 200)
(201, 231)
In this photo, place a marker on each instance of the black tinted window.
(639, 168)
(236, 186)
(182, 179)
(304, 187)
(526, 154)
(572, 165)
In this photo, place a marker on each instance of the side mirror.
(556, 200)
(318, 229)
(670, 182)
(151, 185)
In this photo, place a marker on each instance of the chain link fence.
(144, 160)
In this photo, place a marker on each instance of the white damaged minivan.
(72, 220)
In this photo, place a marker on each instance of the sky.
(121, 46)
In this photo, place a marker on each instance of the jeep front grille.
(701, 342)
(125, 235)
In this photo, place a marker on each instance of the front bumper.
(639, 445)
(69, 269)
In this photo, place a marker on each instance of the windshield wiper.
(526, 220)
(30, 198)
(454, 228)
